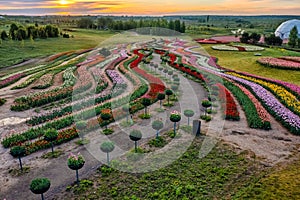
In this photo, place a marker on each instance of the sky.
(149, 7)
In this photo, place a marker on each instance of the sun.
(63, 2)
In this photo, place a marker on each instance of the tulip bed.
(291, 58)
(12, 79)
(290, 120)
(282, 63)
(257, 116)
(285, 97)
(294, 89)
(229, 106)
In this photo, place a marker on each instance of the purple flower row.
(269, 100)
(115, 77)
(11, 79)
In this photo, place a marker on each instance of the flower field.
(89, 80)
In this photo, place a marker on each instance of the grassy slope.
(282, 183)
(12, 52)
(246, 61)
(219, 175)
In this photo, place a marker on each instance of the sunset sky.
(149, 7)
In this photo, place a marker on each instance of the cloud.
(154, 7)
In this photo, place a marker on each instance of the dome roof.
(283, 31)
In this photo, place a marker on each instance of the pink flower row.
(280, 63)
(263, 114)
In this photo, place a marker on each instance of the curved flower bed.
(156, 85)
(290, 120)
(12, 79)
(295, 89)
(210, 41)
(257, 116)
(280, 92)
(44, 82)
(237, 48)
(228, 104)
(279, 63)
(291, 58)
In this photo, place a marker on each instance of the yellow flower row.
(284, 95)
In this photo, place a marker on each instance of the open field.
(14, 52)
(246, 62)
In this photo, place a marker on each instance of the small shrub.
(157, 142)
(108, 131)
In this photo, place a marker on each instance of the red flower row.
(228, 104)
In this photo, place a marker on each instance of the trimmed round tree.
(168, 92)
(40, 186)
(155, 66)
(161, 97)
(50, 136)
(157, 125)
(107, 147)
(146, 102)
(175, 117)
(126, 109)
(170, 73)
(76, 162)
(165, 71)
(175, 87)
(135, 135)
(206, 104)
(81, 126)
(105, 116)
(18, 152)
(188, 114)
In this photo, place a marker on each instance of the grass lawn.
(281, 183)
(218, 175)
(246, 62)
(13, 52)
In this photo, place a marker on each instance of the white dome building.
(283, 31)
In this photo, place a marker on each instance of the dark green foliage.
(253, 38)
(157, 142)
(160, 97)
(2, 101)
(50, 136)
(135, 135)
(253, 119)
(18, 151)
(293, 38)
(168, 92)
(85, 23)
(40, 185)
(273, 40)
(146, 102)
(4, 35)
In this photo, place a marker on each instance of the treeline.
(104, 23)
(32, 32)
(254, 38)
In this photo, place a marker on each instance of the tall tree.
(177, 25)
(12, 31)
(293, 37)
